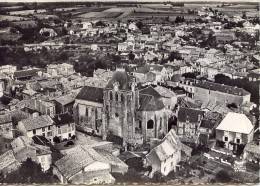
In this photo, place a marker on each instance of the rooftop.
(189, 114)
(221, 88)
(236, 122)
(93, 94)
(37, 122)
(63, 119)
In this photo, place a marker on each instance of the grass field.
(26, 12)
(11, 18)
(100, 15)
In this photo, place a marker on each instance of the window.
(140, 124)
(116, 96)
(69, 125)
(86, 111)
(111, 95)
(43, 134)
(164, 168)
(116, 115)
(43, 129)
(150, 124)
(49, 127)
(122, 97)
(226, 138)
(34, 131)
(238, 141)
(49, 134)
(70, 135)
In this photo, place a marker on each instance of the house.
(29, 93)
(48, 32)
(6, 127)
(88, 109)
(188, 123)
(206, 91)
(64, 69)
(8, 69)
(169, 98)
(24, 148)
(26, 74)
(132, 26)
(41, 125)
(165, 157)
(234, 131)
(8, 163)
(5, 144)
(252, 152)
(65, 126)
(83, 165)
(64, 104)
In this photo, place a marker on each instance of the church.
(123, 110)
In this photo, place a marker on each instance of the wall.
(232, 136)
(209, 95)
(170, 163)
(45, 161)
(63, 131)
(6, 130)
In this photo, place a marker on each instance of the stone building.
(122, 111)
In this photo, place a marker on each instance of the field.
(26, 12)
(11, 18)
(98, 15)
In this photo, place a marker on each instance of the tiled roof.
(7, 159)
(221, 88)
(189, 114)
(37, 122)
(77, 159)
(150, 91)
(26, 73)
(165, 92)
(64, 100)
(110, 158)
(94, 94)
(149, 103)
(169, 145)
(63, 119)
(208, 124)
(5, 119)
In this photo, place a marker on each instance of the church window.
(111, 95)
(116, 95)
(122, 97)
(150, 124)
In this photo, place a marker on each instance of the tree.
(175, 55)
(222, 79)
(131, 56)
(244, 15)
(223, 177)
(56, 139)
(30, 172)
(140, 24)
(189, 75)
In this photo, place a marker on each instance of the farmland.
(11, 18)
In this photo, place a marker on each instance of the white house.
(234, 130)
(39, 125)
(165, 157)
